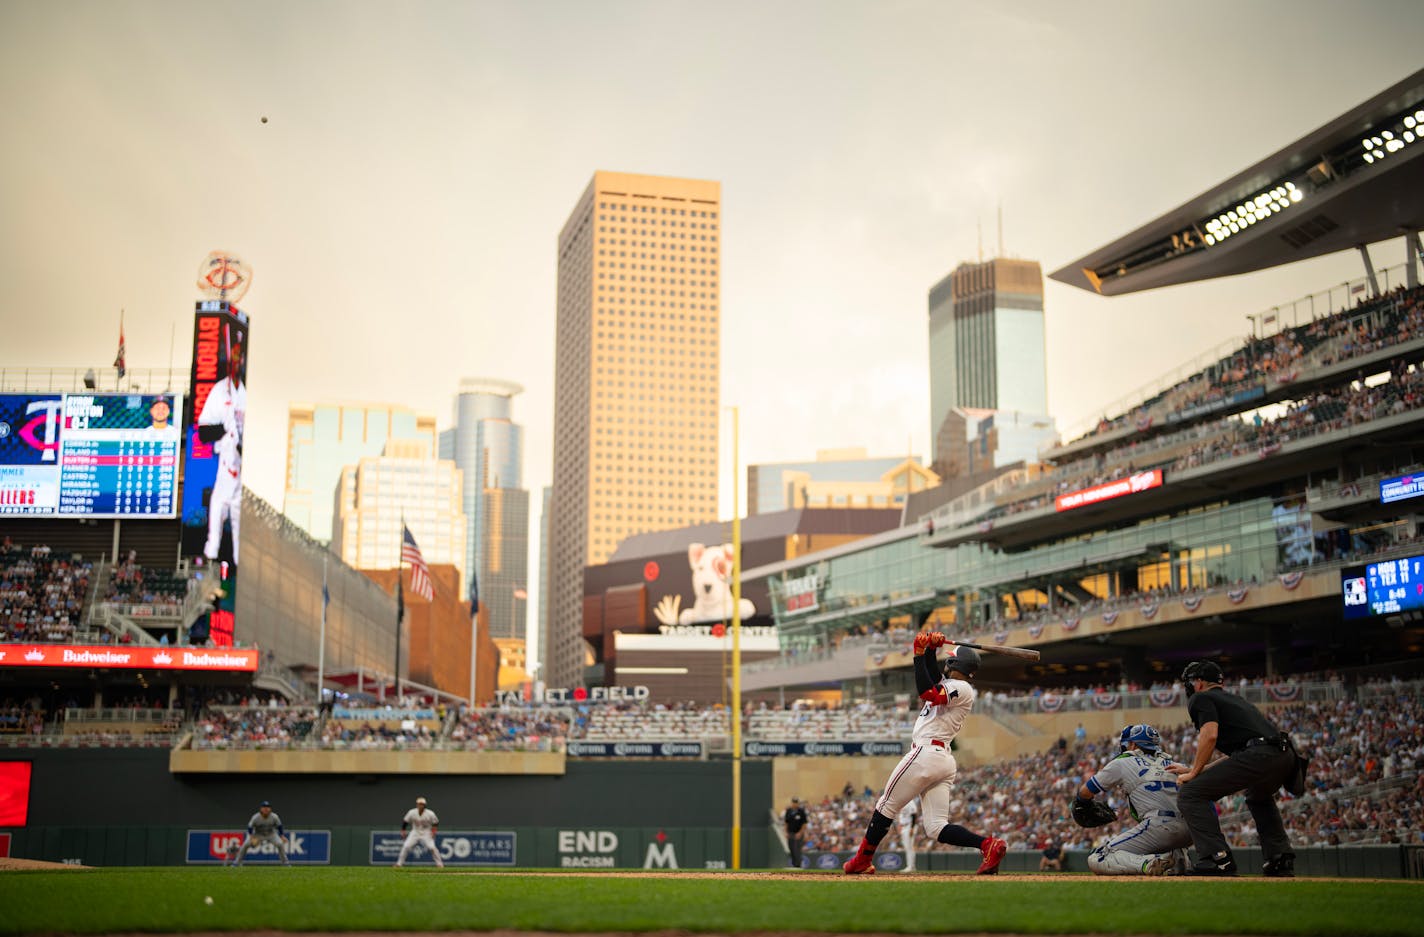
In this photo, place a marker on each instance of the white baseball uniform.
(1152, 797)
(422, 823)
(928, 768)
(226, 405)
(906, 819)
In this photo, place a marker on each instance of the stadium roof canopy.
(1356, 180)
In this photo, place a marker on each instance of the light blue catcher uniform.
(1150, 847)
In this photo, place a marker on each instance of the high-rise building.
(987, 349)
(324, 438)
(402, 485)
(541, 628)
(838, 478)
(488, 446)
(636, 381)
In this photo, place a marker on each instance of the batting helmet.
(964, 659)
(1146, 738)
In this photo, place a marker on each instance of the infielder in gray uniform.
(423, 825)
(1152, 846)
(266, 827)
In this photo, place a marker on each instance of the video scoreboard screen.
(1401, 488)
(90, 455)
(1388, 587)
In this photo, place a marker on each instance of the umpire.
(1259, 760)
(796, 820)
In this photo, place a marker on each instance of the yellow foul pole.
(736, 656)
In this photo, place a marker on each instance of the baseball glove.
(1092, 813)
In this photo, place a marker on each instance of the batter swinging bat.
(1021, 652)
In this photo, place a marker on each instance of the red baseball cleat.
(862, 863)
(993, 850)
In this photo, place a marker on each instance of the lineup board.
(90, 455)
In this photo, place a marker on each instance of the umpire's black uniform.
(796, 820)
(1260, 760)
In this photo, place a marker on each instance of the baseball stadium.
(179, 663)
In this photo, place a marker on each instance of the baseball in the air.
(207, 899)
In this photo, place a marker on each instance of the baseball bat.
(1007, 650)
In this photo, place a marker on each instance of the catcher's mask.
(1146, 738)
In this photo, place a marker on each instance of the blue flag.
(474, 595)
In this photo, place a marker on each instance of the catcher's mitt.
(1092, 813)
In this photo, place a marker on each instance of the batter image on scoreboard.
(220, 423)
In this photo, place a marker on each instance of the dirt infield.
(13, 865)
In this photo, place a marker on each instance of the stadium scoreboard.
(89, 455)
(1389, 587)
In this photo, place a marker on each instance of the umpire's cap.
(964, 659)
(1202, 670)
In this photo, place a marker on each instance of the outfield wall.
(126, 806)
(584, 846)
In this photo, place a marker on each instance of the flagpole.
(736, 652)
(321, 646)
(474, 632)
(400, 609)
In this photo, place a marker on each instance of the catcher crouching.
(1157, 844)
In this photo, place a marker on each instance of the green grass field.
(169, 900)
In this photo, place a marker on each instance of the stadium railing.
(1129, 405)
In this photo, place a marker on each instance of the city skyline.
(400, 204)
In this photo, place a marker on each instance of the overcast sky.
(400, 207)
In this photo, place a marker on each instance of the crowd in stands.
(823, 722)
(1373, 325)
(1353, 745)
(253, 727)
(634, 721)
(21, 717)
(159, 591)
(41, 595)
(1229, 437)
(539, 729)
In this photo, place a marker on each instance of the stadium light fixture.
(1259, 207)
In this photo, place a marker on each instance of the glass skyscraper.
(987, 348)
(488, 446)
(322, 439)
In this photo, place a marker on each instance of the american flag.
(419, 572)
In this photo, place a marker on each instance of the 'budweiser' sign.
(127, 657)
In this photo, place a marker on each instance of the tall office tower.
(489, 449)
(402, 485)
(987, 343)
(324, 438)
(541, 629)
(636, 381)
